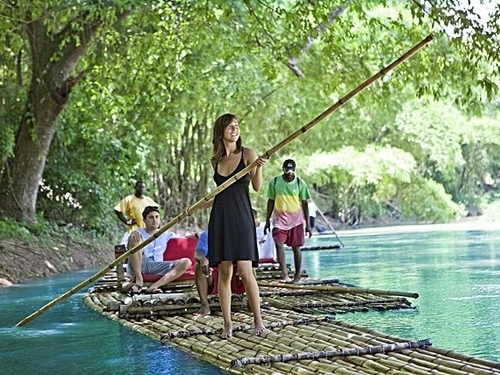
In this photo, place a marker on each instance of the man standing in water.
(287, 197)
(133, 206)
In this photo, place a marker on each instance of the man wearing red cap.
(287, 198)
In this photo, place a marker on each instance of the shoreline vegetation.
(27, 255)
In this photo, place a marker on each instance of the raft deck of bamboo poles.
(303, 335)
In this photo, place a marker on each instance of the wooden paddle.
(340, 103)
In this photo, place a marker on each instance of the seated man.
(206, 278)
(149, 260)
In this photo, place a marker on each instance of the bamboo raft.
(303, 335)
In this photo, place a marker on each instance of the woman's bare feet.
(227, 332)
(259, 326)
(204, 310)
(259, 330)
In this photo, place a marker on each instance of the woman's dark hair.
(220, 125)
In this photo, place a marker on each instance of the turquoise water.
(456, 273)
(70, 338)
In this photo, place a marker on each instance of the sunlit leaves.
(433, 133)
(155, 81)
(361, 178)
(427, 200)
(364, 167)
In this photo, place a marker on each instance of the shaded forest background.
(98, 94)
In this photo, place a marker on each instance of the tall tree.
(55, 49)
(178, 63)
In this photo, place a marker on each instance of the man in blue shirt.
(206, 278)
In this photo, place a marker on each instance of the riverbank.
(27, 255)
(27, 259)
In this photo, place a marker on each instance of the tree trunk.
(53, 61)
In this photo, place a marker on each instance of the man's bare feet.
(132, 288)
(227, 332)
(204, 310)
(296, 280)
(286, 280)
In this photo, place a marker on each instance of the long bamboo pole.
(339, 289)
(324, 218)
(342, 352)
(340, 103)
(330, 225)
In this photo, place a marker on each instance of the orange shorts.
(237, 286)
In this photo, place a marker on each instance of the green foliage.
(14, 73)
(49, 236)
(492, 212)
(427, 200)
(155, 81)
(432, 133)
(380, 181)
(10, 228)
(6, 141)
(25, 230)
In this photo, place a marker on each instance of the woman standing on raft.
(231, 229)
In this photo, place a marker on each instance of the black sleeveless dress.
(231, 229)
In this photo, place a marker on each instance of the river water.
(455, 270)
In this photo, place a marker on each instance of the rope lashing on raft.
(320, 282)
(344, 352)
(316, 247)
(243, 328)
(344, 304)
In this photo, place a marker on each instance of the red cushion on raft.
(184, 247)
(177, 248)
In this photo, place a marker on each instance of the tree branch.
(73, 52)
(262, 99)
(251, 11)
(336, 13)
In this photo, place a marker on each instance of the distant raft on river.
(317, 247)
